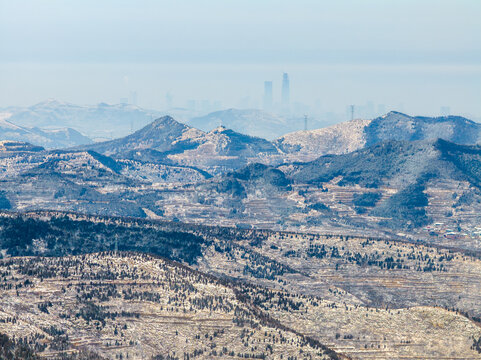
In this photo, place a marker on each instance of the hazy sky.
(422, 54)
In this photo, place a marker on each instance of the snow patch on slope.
(337, 139)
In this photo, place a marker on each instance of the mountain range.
(167, 141)
(99, 121)
(221, 149)
(49, 138)
(173, 242)
(103, 121)
(401, 177)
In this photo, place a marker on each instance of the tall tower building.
(285, 92)
(268, 95)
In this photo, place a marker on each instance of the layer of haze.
(421, 54)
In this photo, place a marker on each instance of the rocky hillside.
(431, 188)
(337, 139)
(278, 292)
(80, 180)
(389, 187)
(398, 126)
(393, 163)
(353, 135)
(139, 307)
(170, 142)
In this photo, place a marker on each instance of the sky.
(414, 56)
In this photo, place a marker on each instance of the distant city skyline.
(423, 54)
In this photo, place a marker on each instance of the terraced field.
(137, 307)
(232, 293)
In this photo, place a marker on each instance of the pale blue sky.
(424, 54)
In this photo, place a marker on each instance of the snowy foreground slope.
(86, 283)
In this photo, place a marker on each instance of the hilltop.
(353, 135)
(170, 142)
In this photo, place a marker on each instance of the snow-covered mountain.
(167, 141)
(399, 126)
(161, 135)
(51, 138)
(353, 135)
(337, 139)
(96, 121)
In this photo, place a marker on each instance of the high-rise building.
(268, 95)
(285, 92)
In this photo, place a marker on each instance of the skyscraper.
(285, 92)
(268, 95)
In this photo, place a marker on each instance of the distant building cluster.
(277, 100)
(268, 102)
